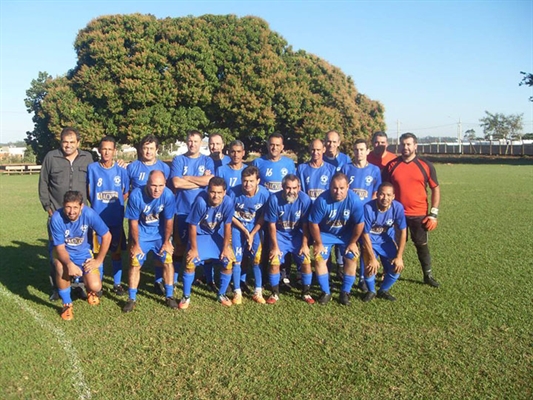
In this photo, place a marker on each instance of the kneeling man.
(71, 254)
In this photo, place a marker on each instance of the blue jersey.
(339, 161)
(73, 234)
(231, 176)
(314, 181)
(138, 172)
(210, 220)
(248, 209)
(219, 163)
(288, 217)
(380, 226)
(271, 172)
(363, 181)
(107, 187)
(336, 219)
(184, 165)
(151, 213)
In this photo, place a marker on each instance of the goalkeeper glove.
(430, 222)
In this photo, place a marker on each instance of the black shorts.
(418, 233)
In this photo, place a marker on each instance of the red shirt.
(410, 180)
(380, 162)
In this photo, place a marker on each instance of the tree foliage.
(527, 80)
(136, 75)
(500, 126)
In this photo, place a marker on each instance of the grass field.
(471, 338)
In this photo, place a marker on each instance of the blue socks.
(323, 282)
(347, 283)
(236, 276)
(225, 279)
(65, 295)
(117, 271)
(258, 276)
(188, 279)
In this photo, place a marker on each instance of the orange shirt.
(380, 162)
(410, 180)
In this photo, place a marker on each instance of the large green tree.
(500, 126)
(137, 75)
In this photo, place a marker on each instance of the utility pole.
(397, 134)
(459, 136)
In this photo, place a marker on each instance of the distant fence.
(20, 169)
(473, 148)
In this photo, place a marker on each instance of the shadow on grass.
(25, 271)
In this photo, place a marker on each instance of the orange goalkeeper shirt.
(410, 180)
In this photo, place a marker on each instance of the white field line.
(78, 379)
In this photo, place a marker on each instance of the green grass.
(471, 338)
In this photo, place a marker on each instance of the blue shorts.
(328, 247)
(153, 246)
(292, 247)
(240, 247)
(78, 259)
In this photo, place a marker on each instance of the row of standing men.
(203, 209)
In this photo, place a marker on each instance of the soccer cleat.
(54, 296)
(385, 295)
(273, 299)
(344, 298)
(79, 292)
(258, 298)
(362, 286)
(369, 296)
(171, 302)
(223, 300)
(308, 298)
(159, 288)
(324, 298)
(129, 306)
(237, 298)
(93, 299)
(66, 313)
(429, 280)
(184, 303)
(118, 290)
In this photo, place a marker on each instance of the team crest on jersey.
(298, 213)
(84, 228)
(389, 222)
(258, 206)
(308, 180)
(117, 180)
(346, 214)
(324, 179)
(201, 169)
(218, 215)
(284, 171)
(368, 180)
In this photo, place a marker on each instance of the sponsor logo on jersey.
(76, 241)
(107, 197)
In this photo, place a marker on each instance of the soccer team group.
(217, 211)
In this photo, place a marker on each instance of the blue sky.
(431, 63)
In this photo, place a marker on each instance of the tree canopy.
(137, 75)
(500, 126)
